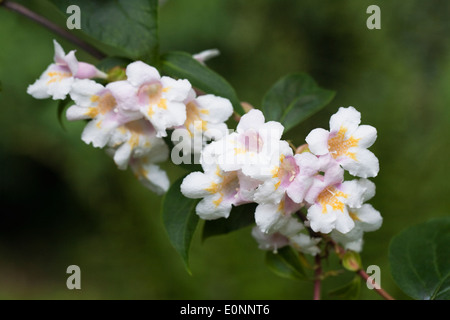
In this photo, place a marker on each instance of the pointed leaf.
(420, 260)
(293, 99)
(130, 25)
(183, 65)
(180, 219)
(286, 263)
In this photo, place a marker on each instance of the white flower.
(57, 79)
(205, 120)
(290, 234)
(106, 106)
(366, 219)
(160, 99)
(330, 197)
(347, 142)
(219, 190)
(293, 176)
(271, 217)
(254, 148)
(135, 144)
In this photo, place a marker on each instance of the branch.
(13, 6)
(380, 291)
(318, 277)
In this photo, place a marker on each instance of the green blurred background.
(65, 203)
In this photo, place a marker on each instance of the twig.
(13, 6)
(318, 277)
(377, 288)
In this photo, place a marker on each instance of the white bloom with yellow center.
(160, 99)
(347, 142)
(57, 79)
(205, 120)
(106, 106)
(135, 144)
(254, 148)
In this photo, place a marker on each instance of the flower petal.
(348, 118)
(208, 210)
(83, 91)
(366, 164)
(366, 136)
(251, 120)
(196, 185)
(214, 109)
(369, 218)
(139, 73)
(152, 176)
(317, 141)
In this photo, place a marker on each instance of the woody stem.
(318, 276)
(13, 6)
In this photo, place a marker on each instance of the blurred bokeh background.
(64, 202)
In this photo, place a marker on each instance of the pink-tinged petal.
(319, 221)
(298, 188)
(177, 90)
(196, 185)
(139, 73)
(59, 53)
(214, 109)
(344, 223)
(268, 192)
(152, 177)
(366, 164)
(317, 141)
(368, 218)
(247, 188)
(333, 173)
(83, 92)
(71, 62)
(308, 163)
(125, 95)
(254, 119)
(292, 227)
(348, 118)
(77, 113)
(208, 209)
(366, 136)
(89, 71)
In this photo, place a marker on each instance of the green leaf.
(349, 291)
(286, 263)
(420, 260)
(182, 65)
(293, 99)
(129, 25)
(180, 220)
(240, 217)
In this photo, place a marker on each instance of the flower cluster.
(130, 118)
(253, 164)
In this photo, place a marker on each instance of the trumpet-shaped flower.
(271, 217)
(106, 106)
(57, 79)
(150, 174)
(330, 197)
(290, 234)
(137, 140)
(254, 148)
(293, 176)
(347, 142)
(205, 120)
(160, 99)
